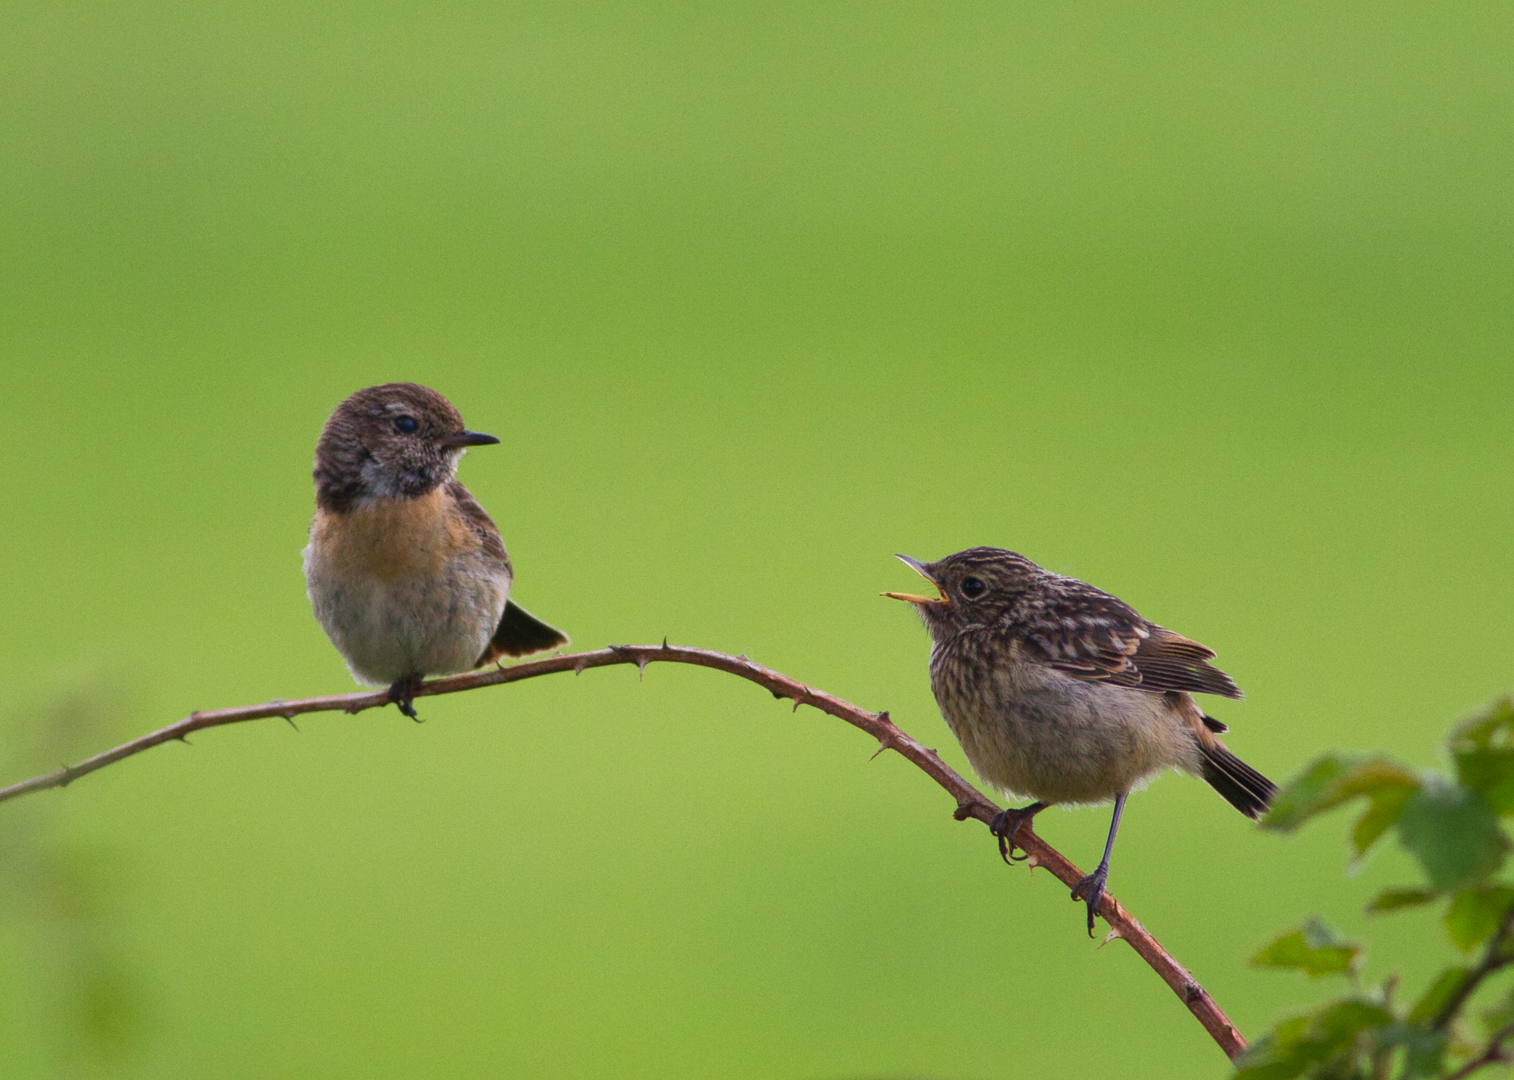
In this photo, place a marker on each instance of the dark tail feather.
(520, 634)
(1238, 783)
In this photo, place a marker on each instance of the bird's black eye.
(405, 425)
(972, 587)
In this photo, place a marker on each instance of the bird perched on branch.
(1061, 693)
(406, 572)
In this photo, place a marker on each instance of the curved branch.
(970, 801)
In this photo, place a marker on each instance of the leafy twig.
(1493, 1054)
(1494, 958)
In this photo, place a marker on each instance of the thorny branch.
(971, 803)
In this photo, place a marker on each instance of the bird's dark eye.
(972, 587)
(405, 425)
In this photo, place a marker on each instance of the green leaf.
(1397, 899)
(1272, 1056)
(1387, 803)
(1474, 914)
(1339, 1022)
(1306, 795)
(1423, 1048)
(1454, 834)
(1313, 948)
(1442, 990)
(1266, 1059)
(1483, 749)
(1490, 772)
(1326, 1043)
(1493, 730)
(1333, 780)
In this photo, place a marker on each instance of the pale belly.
(404, 592)
(1040, 734)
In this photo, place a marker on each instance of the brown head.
(398, 440)
(978, 587)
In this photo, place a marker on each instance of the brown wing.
(479, 522)
(1082, 631)
(1169, 661)
(519, 633)
(1091, 635)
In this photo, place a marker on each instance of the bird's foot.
(1006, 826)
(1091, 890)
(402, 693)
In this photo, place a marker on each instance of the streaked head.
(976, 587)
(398, 440)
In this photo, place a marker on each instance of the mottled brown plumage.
(1062, 693)
(406, 572)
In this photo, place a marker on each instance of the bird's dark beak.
(466, 438)
(917, 567)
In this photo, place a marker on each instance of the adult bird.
(406, 573)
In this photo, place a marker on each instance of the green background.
(1210, 306)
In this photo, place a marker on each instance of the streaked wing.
(1091, 635)
(1169, 661)
(1082, 631)
(479, 521)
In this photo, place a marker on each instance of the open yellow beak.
(911, 598)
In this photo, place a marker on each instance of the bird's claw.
(1091, 891)
(402, 693)
(1006, 826)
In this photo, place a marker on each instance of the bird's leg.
(402, 693)
(1006, 826)
(1091, 889)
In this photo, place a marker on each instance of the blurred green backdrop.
(1210, 306)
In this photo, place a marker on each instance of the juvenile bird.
(1061, 693)
(406, 572)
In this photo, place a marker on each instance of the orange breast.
(394, 538)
